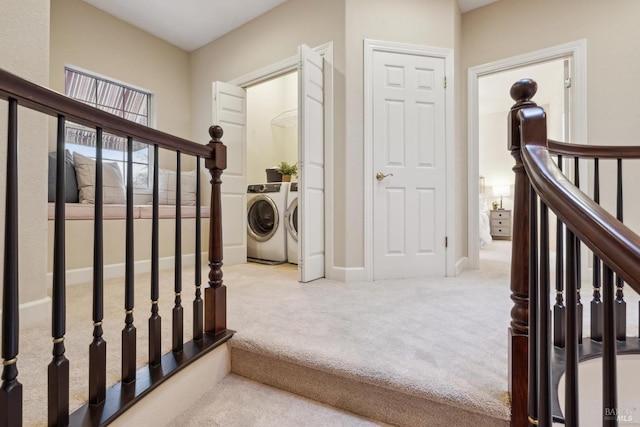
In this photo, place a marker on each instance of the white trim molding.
(371, 46)
(575, 51)
(279, 68)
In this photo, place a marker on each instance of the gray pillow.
(70, 182)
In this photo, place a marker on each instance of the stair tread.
(240, 402)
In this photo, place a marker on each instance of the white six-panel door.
(409, 199)
(311, 250)
(229, 111)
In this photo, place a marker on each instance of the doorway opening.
(495, 183)
(272, 141)
(573, 57)
(272, 125)
(313, 115)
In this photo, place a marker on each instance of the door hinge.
(446, 242)
(567, 83)
(445, 82)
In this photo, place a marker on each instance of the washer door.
(262, 218)
(291, 221)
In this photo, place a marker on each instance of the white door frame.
(286, 66)
(371, 46)
(577, 51)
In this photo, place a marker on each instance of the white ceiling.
(190, 24)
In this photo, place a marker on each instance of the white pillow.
(113, 184)
(167, 187)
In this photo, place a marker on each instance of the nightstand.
(500, 224)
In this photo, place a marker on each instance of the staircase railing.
(547, 341)
(209, 330)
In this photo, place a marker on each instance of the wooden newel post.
(215, 294)
(521, 92)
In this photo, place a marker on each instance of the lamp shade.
(501, 190)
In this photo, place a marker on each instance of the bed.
(483, 214)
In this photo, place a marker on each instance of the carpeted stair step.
(385, 402)
(240, 402)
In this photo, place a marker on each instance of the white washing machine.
(266, 233)
(291, 223)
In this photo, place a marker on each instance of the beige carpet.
(239, 402)
(444, 341)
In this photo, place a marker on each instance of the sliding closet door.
(311, 165)
(229, 111)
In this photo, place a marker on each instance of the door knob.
(380, 176)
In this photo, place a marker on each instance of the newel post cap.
(521, 91)
(219, 160)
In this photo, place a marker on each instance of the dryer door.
(291, 219)
(262, 218)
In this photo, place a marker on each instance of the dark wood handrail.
(612, 241)
(50, 102)
(594, 151)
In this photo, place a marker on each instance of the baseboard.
(461, 265)
(346, 274)
(34, 312)
(113, 271)
(179, 391)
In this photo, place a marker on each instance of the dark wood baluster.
(559, 310)
(178, 311)
(98, 348)
(596, 303)
(571, 352)
(545, 417)
(215, 294)
(609, 375)
(129, 331)
(58, 389)
(534, 355)
(155, 321)
(11, 389)
(621, 304)
(577, 244)
(198, 303)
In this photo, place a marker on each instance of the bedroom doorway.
(494, 160)
(561, 75)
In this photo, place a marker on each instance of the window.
(120, 100)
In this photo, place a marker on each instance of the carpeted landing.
(427, 352)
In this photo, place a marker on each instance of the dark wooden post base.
(58, 388)
(215, 301)
(10, 398)
(518, 374)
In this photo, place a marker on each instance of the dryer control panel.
(264, 188)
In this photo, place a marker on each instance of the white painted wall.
(271, 141)
(24, 49)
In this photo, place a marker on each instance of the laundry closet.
(272, 138)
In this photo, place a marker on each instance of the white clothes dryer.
(291, 223)
(266, 234)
